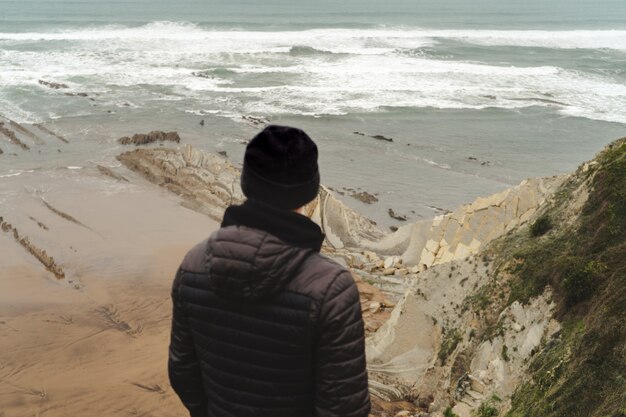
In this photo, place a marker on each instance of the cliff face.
(534, 325)
(512, 304)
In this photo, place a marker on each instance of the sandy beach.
(95, 341)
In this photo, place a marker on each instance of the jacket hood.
(248, 263)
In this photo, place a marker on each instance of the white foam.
(15, 173)
(356, 70)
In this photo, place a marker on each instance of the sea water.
(475, 95)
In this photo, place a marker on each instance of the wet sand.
(94, 342)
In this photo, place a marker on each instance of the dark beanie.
(280, 168)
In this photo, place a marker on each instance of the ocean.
(476, 96)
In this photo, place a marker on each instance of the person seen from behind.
(263, 324)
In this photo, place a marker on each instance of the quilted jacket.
(264, 325)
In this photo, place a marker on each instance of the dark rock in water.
(381, 137)
(77, 95)
(223, 153)
(359, 133)
(364, 197)
(154, 136)
(1, 151)
(393, 215)
(472, 158)
(202, 122)
(256, 121)
(126, 104)
(202, 75)
(54, 86)
(393, 228)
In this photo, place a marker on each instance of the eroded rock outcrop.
(51, 133)
(467, 229)
(208, 183)
(154, 136)
(40, 254)
(12, 137)
(110, 173)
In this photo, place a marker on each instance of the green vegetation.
(505, 353)
(451, 339)
(448, 413)
(583, 372)
(541, 226)
(487, 410)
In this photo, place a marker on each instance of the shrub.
(541, 226)
(449, 342)
(580, 279)
(487, 410)
(449, 413)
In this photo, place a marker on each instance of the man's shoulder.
(317, 274)
(196, 259)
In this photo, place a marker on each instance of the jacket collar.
(288, 226)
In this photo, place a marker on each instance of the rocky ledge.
(154, 136)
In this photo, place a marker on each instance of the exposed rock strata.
(209, 183)
(40, 254)
(469, 228)
(110, 173)
(12, 137)
(26, 132)
(430, 345)
(51, 133)
(154, 136)
(63, 215)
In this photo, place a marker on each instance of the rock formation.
(497, 331)
(154, 136)
(51, 133)
(40, 254)
(208, 183)
(12, 137)
(54, 86)
(110, 173)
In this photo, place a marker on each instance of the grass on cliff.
(581, 373)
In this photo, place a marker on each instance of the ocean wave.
(303, 50)
(309, 72)
(331, 40)
(15, 173)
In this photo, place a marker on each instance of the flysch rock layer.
(207, 182)
(210, 183)
(469, 228)
(404, 355)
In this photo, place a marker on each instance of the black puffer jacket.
(264, 325)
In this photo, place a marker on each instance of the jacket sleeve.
(340, 369)
(183, 365)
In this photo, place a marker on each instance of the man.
(263, 324)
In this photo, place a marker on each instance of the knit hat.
(280, 168)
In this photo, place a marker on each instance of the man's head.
(280, 168)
